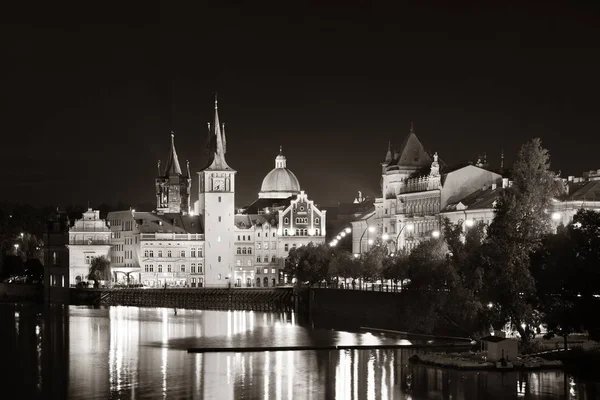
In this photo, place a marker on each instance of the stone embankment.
(276, 299)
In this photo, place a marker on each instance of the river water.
(130, 353)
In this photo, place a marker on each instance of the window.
(285, 232)
(193, 268)
(199, 268)
(266, 259)
(273, 233)
(317, 232)
(248, 263)
(286, 220)
(151, 267)
(218, 238)
(257, 258)
(273, 259)
(219, 219)
(146, 253)
(199, 252)
(146, 268)
(273, 271)
(219, 202)
(159, 268)
(249, 250)
(316, 220)
(151, 253)
(238, 262)
(182, 253)
(219, 276)
(258, 234)
(88, 259)
(239, 250)
(385, 229)
(266, 245)
(286, 247)
(258, 271)
(258, 246)
(219, 261)
(266, 271)
(182, 268)
(238, 238)
(169, 268)
(169, 253)
(193, 253)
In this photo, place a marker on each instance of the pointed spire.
(224, 138)
(502, 160)
(216, 143)
(280, 150)
(412, 127)
(187, 163)
(159, 173)
(173, 167)
(388, 155)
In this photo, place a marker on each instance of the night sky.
(89, 96)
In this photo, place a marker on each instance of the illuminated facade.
(282, 218)
(418, 191)
(89, 238)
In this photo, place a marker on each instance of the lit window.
(266, 271)
(258, 246)
(249, 263)
(218, 238)
(266, 245)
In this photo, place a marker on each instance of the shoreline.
(461, 362)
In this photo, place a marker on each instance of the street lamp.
(409, 227)
(348, 230)
(385, 237)
(435, 234)
(469, 223)
(556, 216)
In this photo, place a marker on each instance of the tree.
(372, 262)
(99, 270)
(396, 267)
(521, 220)
(309, 264)
(427, 264)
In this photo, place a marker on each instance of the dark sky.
(89, 95)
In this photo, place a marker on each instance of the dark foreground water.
(129, 352)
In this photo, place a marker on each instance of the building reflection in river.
(126, 352)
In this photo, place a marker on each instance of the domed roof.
(280, 182)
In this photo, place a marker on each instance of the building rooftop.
(168, 223)
(480, 199)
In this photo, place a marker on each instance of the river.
(130, 353)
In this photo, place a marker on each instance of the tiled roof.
(168, 223)
(480, 199)
(583, 191)
(261, 204)
(246, 221)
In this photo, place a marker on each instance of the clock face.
(218, 184)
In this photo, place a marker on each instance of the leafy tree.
(99, 270)
(372, 262)
(310, 263)
(427, 265)
(554, 267)
(521, 220)
(396, 267)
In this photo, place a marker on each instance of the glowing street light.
(385, 237)
(370, 241)
(556, 216)
(343, 234)
(356, 255)
(348, 230)
(490, 305)
(469, 223)
(371, 229)
(435, 234)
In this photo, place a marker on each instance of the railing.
(89, 242)
(172, 236)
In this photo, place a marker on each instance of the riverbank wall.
(21, 292)
(275, 299)
(407, 311)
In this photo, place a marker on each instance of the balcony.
(171, 236)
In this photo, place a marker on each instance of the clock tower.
(216, 195)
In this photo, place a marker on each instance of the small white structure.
(499, 347)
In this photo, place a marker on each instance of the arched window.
(286, 220)
(317, 232)
(316, 220)
(249, 250)
(273, 259)
(239, 250)
(193, 268)
(244, 251)
(266, 282)
(285, 232)
(257, 282)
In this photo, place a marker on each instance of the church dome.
(280, 182)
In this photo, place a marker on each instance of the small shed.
(499, 347)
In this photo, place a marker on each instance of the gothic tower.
(216, 204)
(172, 186)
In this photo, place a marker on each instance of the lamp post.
(369, 229)
(409, 227)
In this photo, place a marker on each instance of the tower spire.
(280, 150)
(216, 143)
(412, 126)
(187, 163)
(173, 166)
(501, 160)
(224, 138)
(388, 155)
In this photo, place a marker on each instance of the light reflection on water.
(129, 352)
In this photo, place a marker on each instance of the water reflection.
(128, 352)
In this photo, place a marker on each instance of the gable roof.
(583, 191)
(411, 153)
(480, 199)
(168, 223)
(260, 204)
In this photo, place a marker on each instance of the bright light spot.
(371, 229)
(523, 325)
(435, 234)
(133, 210)
(338, 237)
(348, 230)
(370, 241)
(356, 255)
(410, 227)
(16, 246)
(490, 305)
(267, 212)
(385, 236)
(343, 234)
(311, 232)
(292, 232)
(22, 235)
(469, 223)
(556, 216)
(392, 255)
